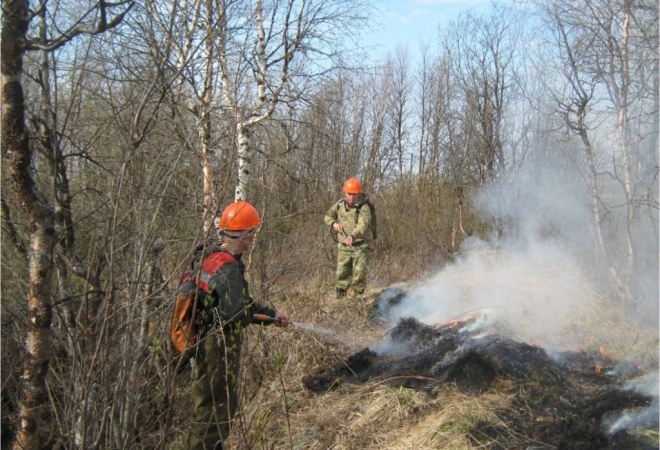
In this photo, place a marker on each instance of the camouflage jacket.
(355, 219)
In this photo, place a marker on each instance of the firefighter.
(218, 351)
(350, 218)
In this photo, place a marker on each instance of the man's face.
(351, 198)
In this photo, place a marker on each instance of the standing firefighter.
(351, 219)
(224, 309)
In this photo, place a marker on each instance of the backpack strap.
(357, 214)
(210, 265)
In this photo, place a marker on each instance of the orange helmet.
(352, 186)
(239, 216)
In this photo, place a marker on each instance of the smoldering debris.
(438, 355)
(565, 401)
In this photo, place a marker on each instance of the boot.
(341, 293)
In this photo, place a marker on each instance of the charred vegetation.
(553, 402)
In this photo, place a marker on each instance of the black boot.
(341, 293)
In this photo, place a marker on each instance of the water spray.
(304, 326)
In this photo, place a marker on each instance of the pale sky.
(411, 21)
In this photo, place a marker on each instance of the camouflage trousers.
(214, 389)
(353, 266)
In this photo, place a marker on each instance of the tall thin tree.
(41, 215)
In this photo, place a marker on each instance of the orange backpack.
(184, 332)
(193, 289)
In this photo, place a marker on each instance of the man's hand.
(281, 320)
(337, 227)
(349, 240)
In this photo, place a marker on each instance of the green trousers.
(353, 266)
(214, 389)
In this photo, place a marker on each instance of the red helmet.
(239, 216)
(352, 186)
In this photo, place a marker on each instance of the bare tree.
(574, 104)
(482, 53)
(15, 42)
(594, 53)
(400, 110)
(194, 29)
(623, 47)
(270, 50)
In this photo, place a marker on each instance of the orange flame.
(450, 324)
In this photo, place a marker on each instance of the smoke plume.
(539, 276)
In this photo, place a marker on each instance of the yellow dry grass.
(279, 413)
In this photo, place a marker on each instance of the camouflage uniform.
(217, 359)
(352, 263)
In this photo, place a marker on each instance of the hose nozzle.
(264, 318)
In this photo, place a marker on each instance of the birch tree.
(268, 54)
(623, 52)
(16, 40)
(400, 110)
(595, 44)
(482, 51)
(194, 28)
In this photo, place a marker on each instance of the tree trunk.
(625, 153)
(41, 227)
(244, 161)
(205, 123)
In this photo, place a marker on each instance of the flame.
(598, 369)
(450, 324)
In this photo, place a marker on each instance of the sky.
(410, 22)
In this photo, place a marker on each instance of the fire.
(450, 324)
(598, 369)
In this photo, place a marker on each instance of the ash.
(567, 399)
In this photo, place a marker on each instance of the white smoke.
(535, 293)
(538, 279)
(643, 417)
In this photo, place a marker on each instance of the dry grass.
(279, 413)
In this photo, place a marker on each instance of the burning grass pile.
(560, 402)
(457, 385)
(556, 405)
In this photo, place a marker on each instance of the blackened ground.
(329, 379)
(555, 405)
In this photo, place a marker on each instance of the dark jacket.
(228, 302)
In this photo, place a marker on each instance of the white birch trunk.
(205, 122)
(622, 128)
(244, 161)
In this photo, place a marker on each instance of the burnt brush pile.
(558, 402)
